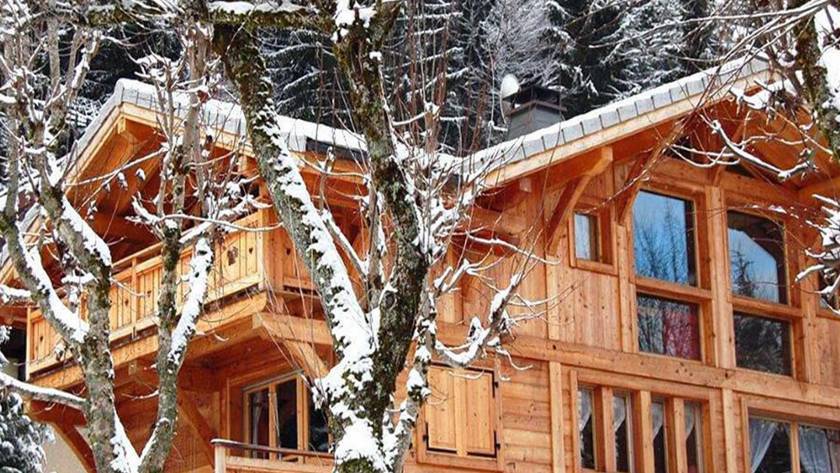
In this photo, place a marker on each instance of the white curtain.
(584, 408)
(834, 448)
(619, 412)
(657, 415)
(689, 418)
(761, 434)
(813, 450)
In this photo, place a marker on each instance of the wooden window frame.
(793, 302)
(699, 295)
(604, 215)
(796, 357)
(701, 252)
(701, 303)
(431, 456)
(793, 421)
(302, 407)
(640, 400)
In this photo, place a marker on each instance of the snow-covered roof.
(223, 117)
(696, 88)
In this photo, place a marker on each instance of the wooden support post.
(555, 379)
(720, 346)
(219, 459)
(675, 420)
(643, 433)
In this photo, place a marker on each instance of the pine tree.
(648, 46)
(303, 68)
(700, 43)
(20, 437)
(579, 30)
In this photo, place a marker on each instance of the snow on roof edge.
(615, 113)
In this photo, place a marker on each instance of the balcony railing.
(236, 457)
(244, 260)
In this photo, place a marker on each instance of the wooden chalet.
(676, 338)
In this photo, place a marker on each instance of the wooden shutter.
(480, 414)
(441, 422)
(461, 412)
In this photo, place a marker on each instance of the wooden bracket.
(190, 413)
(571, 193)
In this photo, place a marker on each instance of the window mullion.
(794, 447)
(675, 435)
(605, 435)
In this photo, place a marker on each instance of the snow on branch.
(740, 152)
(30, 391)
(13, 295)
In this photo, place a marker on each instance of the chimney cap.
(533, 93)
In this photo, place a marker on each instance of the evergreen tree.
(20, 437)
(303, 68)
(700, 43)
(579, 31)
(647, 47)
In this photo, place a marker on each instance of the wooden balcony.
(235, 457)
(245, 261)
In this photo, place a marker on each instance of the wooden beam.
(558, 451)
(289, 327)
(190, 413)
(77, 444)
(632, 183)
(574, 188)
(555, 228)
(305, 355)
(827, 188)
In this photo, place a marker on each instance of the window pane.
(621, 427)
(660, 452)
(762, 344)
(585, 426)
(694, 437)
(258, 407)
(815, 449)
(668, 327)
(287, 431)
(663, 238)
(757, 257)
(769, 446)
(586, 237)
(319, 439)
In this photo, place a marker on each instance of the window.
(587, 237)
(623, 436)
(769, 446)
(668, 327)
(586, 429)
(275, 420)
(660, 445)
(694, 437)
(771, 452)
(592, 430)
(757, 257)
(663, 238)
(762, 344)
(819, 449)
(461, 414)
